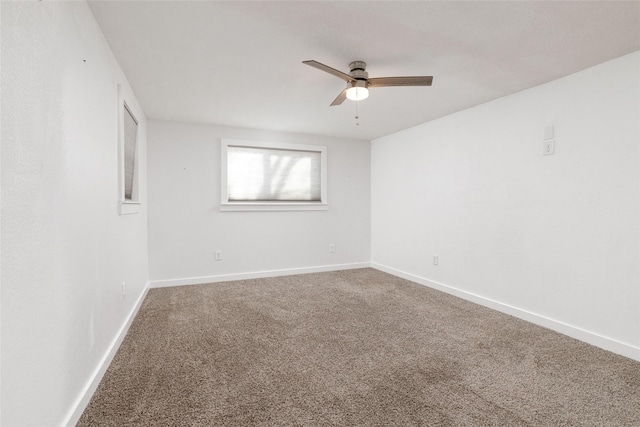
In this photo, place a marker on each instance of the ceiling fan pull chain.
(357, 115)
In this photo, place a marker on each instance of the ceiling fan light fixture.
(357, 93)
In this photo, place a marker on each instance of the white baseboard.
(589, 337)
(85, 396)
(255, 275)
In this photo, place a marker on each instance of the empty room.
(320, 213)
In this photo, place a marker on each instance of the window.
(130, 139)
(128, 158)
(273, 176)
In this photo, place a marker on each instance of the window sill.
(127, 208)
(239, 207)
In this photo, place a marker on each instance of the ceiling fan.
(358, 81)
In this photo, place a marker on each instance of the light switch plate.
(549, 132)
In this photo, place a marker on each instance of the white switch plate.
(548, 147)
(549, 132)
(332, 248)
(435, 259)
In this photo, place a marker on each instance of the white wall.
(186, 226)
(554, 239)
(65, 249)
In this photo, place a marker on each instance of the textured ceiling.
(240, 63)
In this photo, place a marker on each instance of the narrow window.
(130, 140)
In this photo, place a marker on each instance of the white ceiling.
(239, 63)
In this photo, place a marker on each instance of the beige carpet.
(352, 348)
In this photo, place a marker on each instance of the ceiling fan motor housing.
(357, 83)
(358, 70)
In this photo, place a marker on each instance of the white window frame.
(133, 205)
(226, 205)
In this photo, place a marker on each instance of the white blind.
(268, 174)
(130, 136)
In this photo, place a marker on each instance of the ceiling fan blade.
(327, 69)
(401, 81)
(340, 98)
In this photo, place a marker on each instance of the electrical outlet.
(332, 247)
(435, 259)
(218, 255)
(123, 290)
(548, 147)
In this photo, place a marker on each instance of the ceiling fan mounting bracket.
(358, 65)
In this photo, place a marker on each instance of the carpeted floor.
(352, 348)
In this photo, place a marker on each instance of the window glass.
(130, 136)
(265, 174)
(272, 176)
